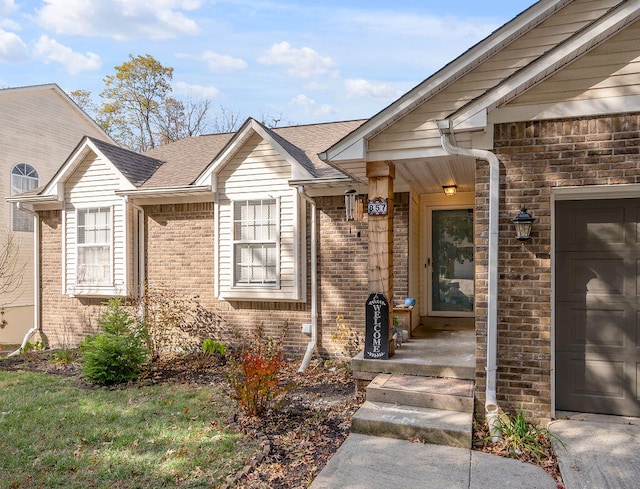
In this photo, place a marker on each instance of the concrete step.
(427, 392)
(436, 426)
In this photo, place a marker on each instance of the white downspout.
(36, 279)
(141, 255)
(491, 401)
(314, 282)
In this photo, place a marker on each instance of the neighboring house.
(545, 112)
(40, 126)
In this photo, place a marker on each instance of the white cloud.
(12, 48)
(300, 62)
(310, 106)
(221, 62)
(7, 7)
(50, 50)
(358, 88)
(197, 91)
(119, 19)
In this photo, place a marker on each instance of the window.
(255, 242)
(94, 246)
(23, 178)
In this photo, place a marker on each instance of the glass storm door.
(452, 287)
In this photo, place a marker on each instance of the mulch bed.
(299, 438)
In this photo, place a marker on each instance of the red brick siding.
(536, 156)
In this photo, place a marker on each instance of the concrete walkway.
(598, 451)
(365, 462)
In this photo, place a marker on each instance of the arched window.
(24, 177)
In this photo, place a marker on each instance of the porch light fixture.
(350, 204)
(450, 190)
(523, 222)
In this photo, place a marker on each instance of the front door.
(451, 278)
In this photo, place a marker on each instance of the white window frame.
(28, 173)
(237, 241)
(109, 243)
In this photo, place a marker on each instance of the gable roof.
(561, 55)
(523, 52)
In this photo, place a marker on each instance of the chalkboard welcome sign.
(376, 340)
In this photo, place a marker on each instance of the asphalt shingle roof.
(181, 162)
(135, 167)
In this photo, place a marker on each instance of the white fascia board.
(353, 152)
(402, 154)
(495, 42)
(551, 62)
(477, 121)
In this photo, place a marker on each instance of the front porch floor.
(429, 352)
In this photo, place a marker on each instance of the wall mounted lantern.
(523, 222)
(450, 190)
(350, 204)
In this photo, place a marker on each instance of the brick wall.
(180, 257)
(535, 157)
(65, 320)
(343, 264)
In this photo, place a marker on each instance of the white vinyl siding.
(610, 70)
(257, 172)
(91, 186)
(417, 132)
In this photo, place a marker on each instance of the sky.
(283, 61)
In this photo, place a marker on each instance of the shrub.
(116, 355)
(211, 347)
(178, 323)
(254, 373)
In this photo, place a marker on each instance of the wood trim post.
(381, 175)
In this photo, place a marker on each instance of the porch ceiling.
(428, 175)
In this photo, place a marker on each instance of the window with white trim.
(24, 177)
(255, 243)
(94, 243)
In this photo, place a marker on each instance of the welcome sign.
(376, 340)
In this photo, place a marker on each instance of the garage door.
(597, 293)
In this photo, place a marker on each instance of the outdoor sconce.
(350, 204)
(523, 222)
(450, 190)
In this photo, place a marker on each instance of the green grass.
(54, 434)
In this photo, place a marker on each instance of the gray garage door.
(598, 306)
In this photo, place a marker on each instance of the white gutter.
(491, 401)
(165, 191)
(36, 279)
(314, 282)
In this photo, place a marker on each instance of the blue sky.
(297, 61)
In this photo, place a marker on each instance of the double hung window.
(255, 242)
(94, 243)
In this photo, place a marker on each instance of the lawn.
(56, 433)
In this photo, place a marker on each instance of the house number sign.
(377, 207)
